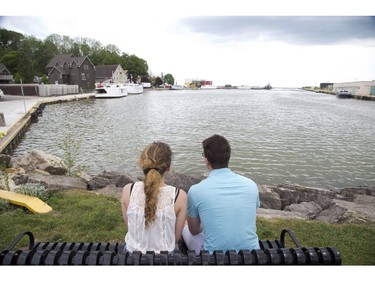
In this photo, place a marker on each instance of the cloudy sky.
(228, 44)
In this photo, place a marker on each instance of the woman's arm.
(125, 198)
(180, 210)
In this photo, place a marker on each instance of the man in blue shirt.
(222, 207)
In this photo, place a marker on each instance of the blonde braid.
(154, 161)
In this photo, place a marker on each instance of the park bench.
(271, 252)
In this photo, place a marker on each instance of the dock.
(18, 112)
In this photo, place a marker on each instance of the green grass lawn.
(82, 216)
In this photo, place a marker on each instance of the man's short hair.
(217, 151)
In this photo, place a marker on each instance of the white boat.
(244, 87)
(178, 87)
(110, 90)
(208, 87)
(133, 88)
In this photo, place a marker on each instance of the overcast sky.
(227, 46)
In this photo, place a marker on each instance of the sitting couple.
(219, 213)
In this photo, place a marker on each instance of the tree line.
(26, 56)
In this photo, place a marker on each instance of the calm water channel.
(277, 136)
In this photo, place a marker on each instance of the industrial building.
(359, 88)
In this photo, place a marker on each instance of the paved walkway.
(16, 108)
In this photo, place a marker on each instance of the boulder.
(110, 190)
(37, 159)
(57, 182)
(308, 209)
(348, 212)
(295, 194)
(270, 214)
(181, 181)
(269, 199)
(109, 178)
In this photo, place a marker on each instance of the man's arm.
(194, 225)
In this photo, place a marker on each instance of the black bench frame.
(271, 252)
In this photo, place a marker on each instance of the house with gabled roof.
(5, 76)
(71, 70)
(111, 74)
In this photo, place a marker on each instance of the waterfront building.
(360, 88)
(71, 70)
(111, 74)
(197, 83)
(5, 76)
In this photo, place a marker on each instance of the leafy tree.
(145, 78)
(158, 81)
(10, 40)
(20, 65)
(134, 65)
(32, 48)
(168, 78)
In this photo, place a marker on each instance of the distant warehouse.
(361, 88)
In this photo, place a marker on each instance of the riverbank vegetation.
(83, 216)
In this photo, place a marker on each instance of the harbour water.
(277, 136)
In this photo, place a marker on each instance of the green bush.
(33, 189)
(71, 147)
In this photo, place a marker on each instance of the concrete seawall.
(357, 97)
(19, 111)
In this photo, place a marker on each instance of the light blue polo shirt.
(226, 204)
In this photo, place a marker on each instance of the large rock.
(109, 178)
(351, 205)
(57, 182)
(349, 212)
(37, 159)
(296, 194)
(308, 209)
(269, 199)
(181, 181)
(270, 214)
(110, 190)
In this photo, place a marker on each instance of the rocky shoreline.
(350, 205)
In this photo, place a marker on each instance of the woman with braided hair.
(153, 212)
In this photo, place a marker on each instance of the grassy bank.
(82, 216)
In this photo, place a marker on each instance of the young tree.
(168, 78)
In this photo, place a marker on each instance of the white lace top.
(160, 236)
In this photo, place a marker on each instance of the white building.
(110, 74)
(360, 88)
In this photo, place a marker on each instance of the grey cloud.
(315, 30)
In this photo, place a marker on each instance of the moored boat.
(267, 87)
(177, 87)
(207, 87)
(244, 87)
(344, 94)
(110, 90)
(133, 88)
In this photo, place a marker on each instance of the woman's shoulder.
(174, 188)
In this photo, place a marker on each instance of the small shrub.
(71, 147)
(33, 189)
